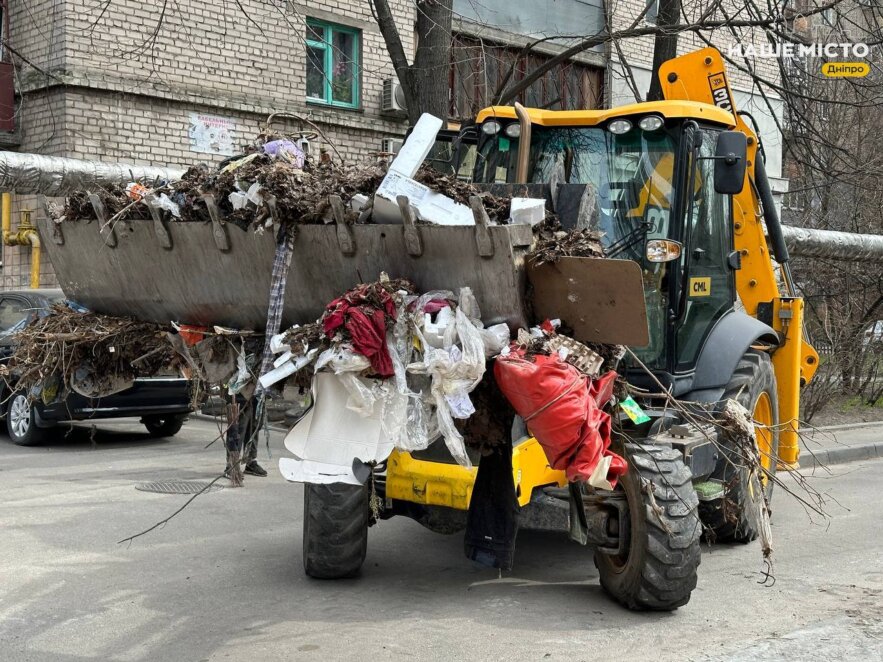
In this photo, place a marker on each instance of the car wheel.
(164, 426)
(21, 421)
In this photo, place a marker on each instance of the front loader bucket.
(186, 272)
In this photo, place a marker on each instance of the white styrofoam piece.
(527, 211)
(358, 201)
(417, 146)
(440, 209)
(276, 342)
(434, 332)
(429, 205)
(329, 436)
(286, 369)
(306, 471)
(282, 358)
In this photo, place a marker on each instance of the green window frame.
(333, 64)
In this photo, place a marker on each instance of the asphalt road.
(223, 580)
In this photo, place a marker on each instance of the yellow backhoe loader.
(679, 187)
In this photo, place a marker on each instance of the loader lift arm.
(701, 76)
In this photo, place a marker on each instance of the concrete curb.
(840, 454)
(848, 426)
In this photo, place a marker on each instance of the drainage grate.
(178, 487)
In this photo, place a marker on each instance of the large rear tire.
(335, 530)
(753, 385)
(658, 569)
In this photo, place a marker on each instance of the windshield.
(630, 176)
(629, 194)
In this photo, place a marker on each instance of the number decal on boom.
(719, 92)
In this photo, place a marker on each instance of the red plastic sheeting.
(363, 312)
(562, 409)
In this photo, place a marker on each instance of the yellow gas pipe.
(25, 235)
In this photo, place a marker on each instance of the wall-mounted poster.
(212, 135)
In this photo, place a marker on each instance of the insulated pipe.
(56, 176)
(806, 242)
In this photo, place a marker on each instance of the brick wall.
(103, 86)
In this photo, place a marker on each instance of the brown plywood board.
(602, 300)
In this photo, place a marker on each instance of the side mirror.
(730, 161)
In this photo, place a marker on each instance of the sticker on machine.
(700, 287)
(719, 92)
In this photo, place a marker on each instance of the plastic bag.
(243, 376)
(406, 417)
(562, 410)
(495, 338)
(455, 372)
(165, 202)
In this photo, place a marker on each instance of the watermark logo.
(846, 69)
(790, 50)
(851, 51)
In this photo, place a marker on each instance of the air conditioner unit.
(393, 97)
(391, 145)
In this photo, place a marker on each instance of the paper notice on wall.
(210, 134)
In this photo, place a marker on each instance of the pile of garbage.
(89, 353)
(393, 368)
(74, 350)
(274, 181)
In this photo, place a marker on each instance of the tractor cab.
(654, 180)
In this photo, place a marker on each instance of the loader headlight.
(513, 130)
(491, 127)
(662, 250)
(619, 127)
(651, 123)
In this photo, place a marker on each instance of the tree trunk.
(665, 46)
(430, 72)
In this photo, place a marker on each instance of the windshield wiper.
(634, 237)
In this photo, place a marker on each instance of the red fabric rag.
(364, 323)
(562, 410)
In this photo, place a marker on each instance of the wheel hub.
(20, 415)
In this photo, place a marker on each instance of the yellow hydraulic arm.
(701, 76)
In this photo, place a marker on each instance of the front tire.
(658, 570)
(335, 530)
(753, 385)
(21, 421)
(164, 426)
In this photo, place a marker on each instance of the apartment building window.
(652, 12)
(333, 63)
(478, 67)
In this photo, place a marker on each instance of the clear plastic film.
(406, 417)
(455, 371)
